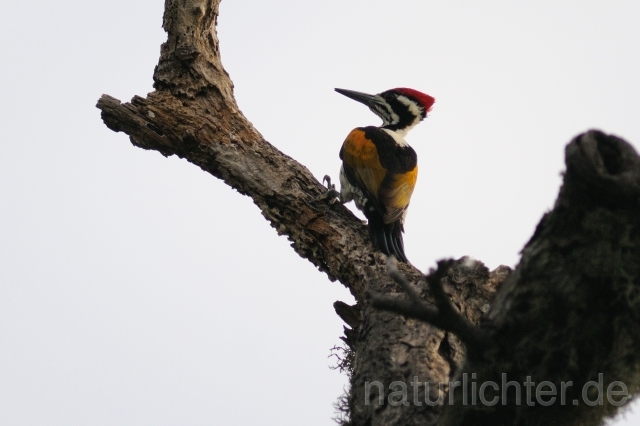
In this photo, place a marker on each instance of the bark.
(571, 310)
(192, 114)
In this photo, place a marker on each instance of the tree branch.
(192, 114)
(568, 313)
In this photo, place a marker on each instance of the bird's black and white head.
(400, 109)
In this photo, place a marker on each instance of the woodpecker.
(379, 169)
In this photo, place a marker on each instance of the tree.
(576, 283)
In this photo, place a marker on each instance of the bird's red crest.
(426, 100)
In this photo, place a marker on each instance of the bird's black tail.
(387, 237)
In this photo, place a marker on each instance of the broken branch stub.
(569, 315)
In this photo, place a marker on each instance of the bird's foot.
(331, 194)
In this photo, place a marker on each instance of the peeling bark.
(192, 114)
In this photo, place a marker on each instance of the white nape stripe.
(398, 136)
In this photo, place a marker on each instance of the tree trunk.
(581, 263)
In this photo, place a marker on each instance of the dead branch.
(568, 311)
(192, 114)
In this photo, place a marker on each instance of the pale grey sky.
(138, 290)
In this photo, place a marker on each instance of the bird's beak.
(368, 100)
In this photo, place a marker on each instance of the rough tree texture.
(571, 309)
(192, 114)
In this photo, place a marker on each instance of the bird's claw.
(331, 194)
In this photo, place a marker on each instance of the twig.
(444, 315)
